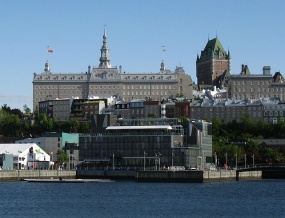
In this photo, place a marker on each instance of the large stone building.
(105, 81)
(256, 86)
(213, 66)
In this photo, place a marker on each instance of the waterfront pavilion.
(154, 143)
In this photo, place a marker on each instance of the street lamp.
(215, 155)
(113, 161)
(253, 160)
(226, 161)
(236, 160)
(144, 160)
(172, 154)
(244, 160)
(19, 152)
(159, 161)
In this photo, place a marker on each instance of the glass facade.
(133, 144)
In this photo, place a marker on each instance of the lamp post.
(113, 161)
(244, 160)
(144, 160)
(215, 155)
(19, 164)
(226, 161)
(69, 160)
(19, 152)
(236, 160)
(172, 158)
(33, 161)
(253, 160)
(159, 161)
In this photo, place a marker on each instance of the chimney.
(266, 70)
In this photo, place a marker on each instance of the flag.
(50, 51)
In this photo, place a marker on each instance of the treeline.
(14, 123)
(238, 141)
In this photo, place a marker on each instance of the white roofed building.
(25, 156)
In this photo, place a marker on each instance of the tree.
(10, 124)
(61, 157)
(26, 109)
(6, 108)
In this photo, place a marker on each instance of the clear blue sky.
(252, 30)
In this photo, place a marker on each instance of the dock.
(60, 180)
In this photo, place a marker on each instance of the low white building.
(25, 156)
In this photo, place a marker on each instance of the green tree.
(62, 157)
(10, 124)
(26, 109)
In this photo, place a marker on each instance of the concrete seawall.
(17, 175)
(170, 176)
(227, 175)
(138, 176)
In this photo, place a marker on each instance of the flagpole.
(163, 50)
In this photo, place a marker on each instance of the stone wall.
(17, 175)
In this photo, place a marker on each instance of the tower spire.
(105, 57)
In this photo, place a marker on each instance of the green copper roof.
(214, 49)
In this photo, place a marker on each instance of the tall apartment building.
(213, 66)
(105, 81)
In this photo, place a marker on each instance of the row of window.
(148, 93)
(243, 82)
(229, 115)
(244, 89)
(228, 109)
(149, 87)
(273, 113)
(56, 87)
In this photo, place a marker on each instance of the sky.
(253, 31)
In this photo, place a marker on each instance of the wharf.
(60, 180)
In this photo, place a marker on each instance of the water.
(261, 198)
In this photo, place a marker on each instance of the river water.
(260, 198)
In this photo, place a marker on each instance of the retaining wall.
(17, 175)
(224, 175)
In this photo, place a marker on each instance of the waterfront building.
(152, 143)
(106, 80)
(52, 142)
(23, 156)
(213, 66)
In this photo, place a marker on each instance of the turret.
(47, 69)
(105, 57)
(162, 66)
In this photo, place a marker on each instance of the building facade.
(106, 80)
(213, 66)
(148, 144)
(52, 142)
(268, 110)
